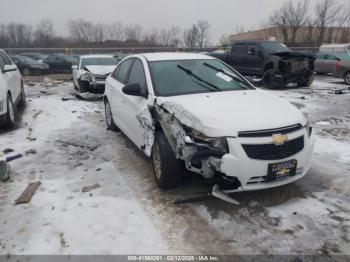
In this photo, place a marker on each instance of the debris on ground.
(14, 157)
(87, 96)
(66, 143)
(28, 193)
(4, 171)
(89, 188)
(8, 151)
(31, 152)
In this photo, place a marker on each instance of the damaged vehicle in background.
(274, 62)
(192, 111)
(90, 74)
(29, 66)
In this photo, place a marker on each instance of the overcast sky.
(224, 15)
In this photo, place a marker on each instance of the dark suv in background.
(274, 62)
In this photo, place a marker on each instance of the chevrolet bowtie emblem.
(279, 139)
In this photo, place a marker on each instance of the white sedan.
(90, 74)
(194, 112)
(11, 91)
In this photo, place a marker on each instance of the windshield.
(181, 77)
(272, 47)
(98, 61)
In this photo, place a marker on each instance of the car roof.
(95, 56)
(173, 56)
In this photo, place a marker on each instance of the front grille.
(273, 152)
(270, 132)
(100, 78)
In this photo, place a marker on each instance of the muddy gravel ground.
(98, 195)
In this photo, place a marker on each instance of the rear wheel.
(168, 170)
(109, 117)
(347, 78)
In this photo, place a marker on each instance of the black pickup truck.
(274, 62)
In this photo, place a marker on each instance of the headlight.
(218, 143)
(85, 77)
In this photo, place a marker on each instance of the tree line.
(83, 33)
(299, 22)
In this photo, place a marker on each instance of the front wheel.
(109, 117)
(307, 82)
(22, 99)
(347, 78)
(10, 114)
(168, 170)
(268, 81)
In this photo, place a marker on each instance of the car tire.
(266, 80)
(307, 82)
(10, 113)
(168, 171)
(27, 71)
(347, 78)
(109, 117)
(22, 99)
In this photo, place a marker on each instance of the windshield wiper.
(190, 73)
(228, 74)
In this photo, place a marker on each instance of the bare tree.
(133, 32)
(99, 32)
(289, 19)
(174, 36)
(81, 31)
(44, 33)
(115, 31)
(279, 19)
(326, 11)
(164, 37)
(203, 32)
(225, 40)
(191, 36)
(150, 38)
(19, 35)
(341, 21)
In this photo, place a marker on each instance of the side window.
(2, 63)
(240, 48)
(137, 74)
(5, 59)
(123, 71)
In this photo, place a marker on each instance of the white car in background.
(90, 74)
(193, 111)
(11, 91)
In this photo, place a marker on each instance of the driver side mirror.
(134, 90)
(9, 68)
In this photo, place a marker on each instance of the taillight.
(337, 65)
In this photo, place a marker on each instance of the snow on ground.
(127, 214)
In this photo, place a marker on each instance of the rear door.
(253, 62)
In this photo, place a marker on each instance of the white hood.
(100, 70)
(227, 113)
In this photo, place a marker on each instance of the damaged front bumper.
(291, 77)
(93, 84)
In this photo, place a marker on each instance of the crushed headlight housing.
(308, 128)
(218, 143)
(86, 77)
